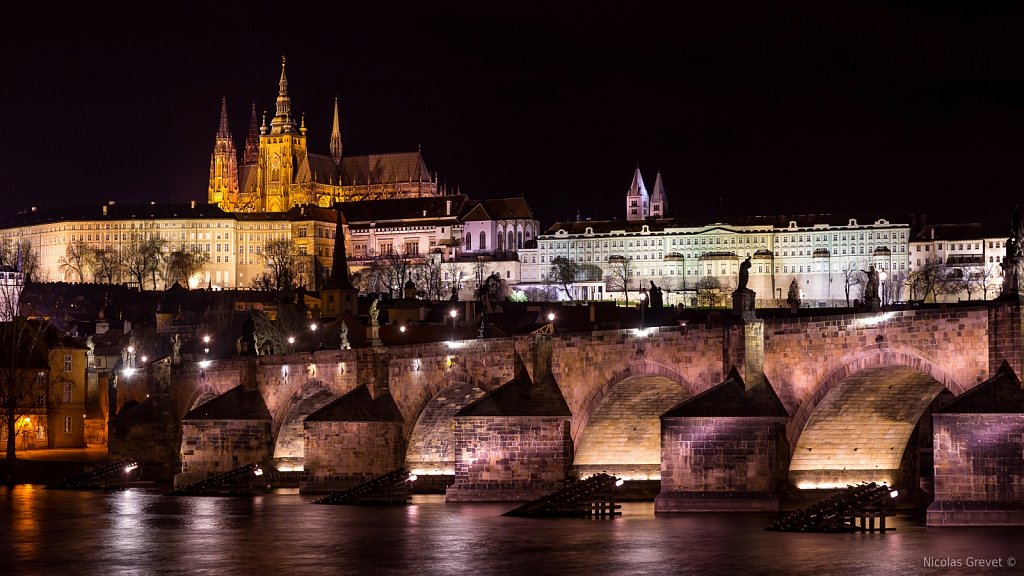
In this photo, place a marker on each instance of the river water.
(136, 532)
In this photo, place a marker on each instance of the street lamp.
(454, 314)
(881, 282)
(643, 300)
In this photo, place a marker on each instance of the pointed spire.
(223, 131)
(283, 122)
(658, 200)
(637, 198)
(223, 188)
(339, 264)
(252, 139)
(336, 134)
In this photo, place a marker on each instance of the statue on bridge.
(871, 285)
(374, 312)
(657, 299)
(344, 345)
(1014, 255)
(743, 298)
(741, 285)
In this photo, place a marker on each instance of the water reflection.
(136, 532)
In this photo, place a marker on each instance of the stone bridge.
(510, 418)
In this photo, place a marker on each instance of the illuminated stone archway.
(431, 448)
(859, 429)
(622, 431)
(289, 446)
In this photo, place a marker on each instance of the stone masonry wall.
(720, 464)
(211, 447)
(347, 453)
(509, 459)
(979, 470)
(803, 357)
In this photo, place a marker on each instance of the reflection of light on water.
(26, 519)
(832, 485)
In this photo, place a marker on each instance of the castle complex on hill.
(278, 171)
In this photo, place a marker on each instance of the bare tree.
(987, 275)
(564, 272)
(282, 259)
(19, 255)
(433, 277)
(27, 351)
(77, 256)
(397, 269)
(619, 275)
(184, 264)
(709, 291)
(892, 287)
(852, 276)
(142, 257)
(481, 270)
(455, 275)
(928, 279)
(105, 264)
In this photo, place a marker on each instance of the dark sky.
(757, 108)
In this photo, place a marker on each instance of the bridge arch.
(289, 444)
(859, 423)
(618, 428)
(431, 447)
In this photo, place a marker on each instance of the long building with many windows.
(822, 254)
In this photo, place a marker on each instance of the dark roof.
(777, 222)
(383, 169)
(239, 403)
(500, 209)
(968, 231)
(522, 396)
(358, 406)
(427, 208)
(731, 398)
(1000, 394)
(114, 212)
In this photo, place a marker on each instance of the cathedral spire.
(336, 135)
(223, 131)
(223, 189)
(283, 122)
(252, 139)
(339, 264)
(637, 198)
(658, 200)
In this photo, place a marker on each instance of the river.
(136, 532)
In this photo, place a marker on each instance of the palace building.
(278, 171)
(821, 253)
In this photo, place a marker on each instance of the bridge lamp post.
(206, 344)
(454, 315)
(881, 282)
(291, 341)
(643, 300)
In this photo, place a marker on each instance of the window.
(67, 362)
(67, 424)
(483, 240)
(67, 391)
(469, 241)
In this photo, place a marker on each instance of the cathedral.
(278, 171)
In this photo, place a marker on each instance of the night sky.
(745, 108)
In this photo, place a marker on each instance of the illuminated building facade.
(278, 171)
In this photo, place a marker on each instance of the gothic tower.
(223, 189)
(658, 200)
(252, 139)
(281, 147)
(336, 135)
(338, 296)
(637, 199)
